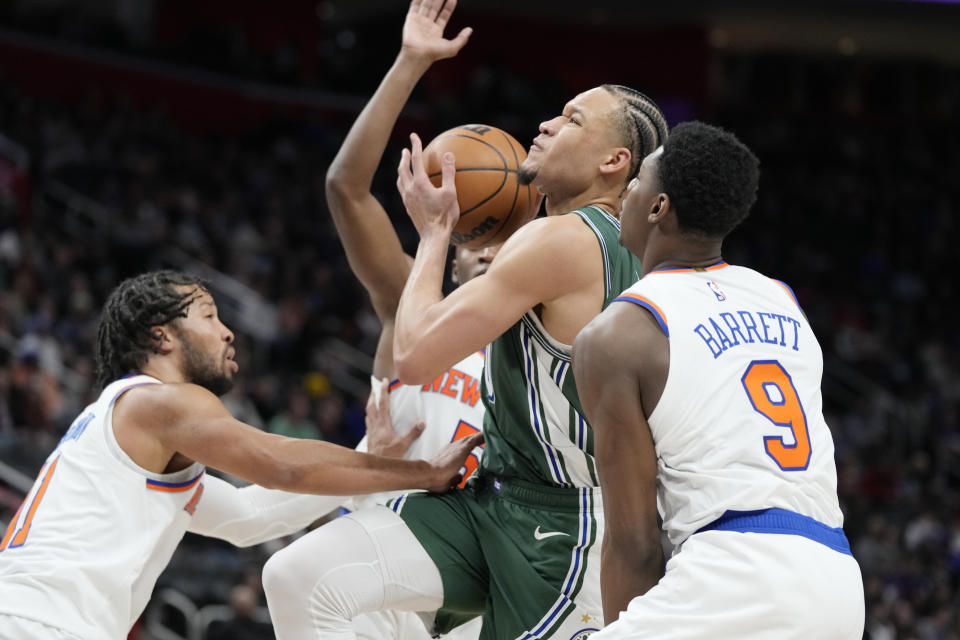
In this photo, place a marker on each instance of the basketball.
(493, 204)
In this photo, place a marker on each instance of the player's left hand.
(448, 463)
(423, 30)
(433, 210)
(382, 438)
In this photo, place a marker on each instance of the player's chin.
(526, 174)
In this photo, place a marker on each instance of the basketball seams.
(499, 153)
(516, 191)
(498, 212)
(508, 171)
(505, 170)
(487, 199)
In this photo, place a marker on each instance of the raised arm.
(371, 244)
(544, 262)
(189, 420)
(608, 357)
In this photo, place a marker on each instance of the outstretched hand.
(382, 438)
(449, 462)
(423, 30)
(431, 209)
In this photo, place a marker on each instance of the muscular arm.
(611, 358)
(189, 420)
(369, 240)
(251, 515)
(543, 262)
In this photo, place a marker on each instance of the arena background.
(136, 134)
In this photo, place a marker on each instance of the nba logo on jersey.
(717, 291)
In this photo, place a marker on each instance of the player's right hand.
(449, 462)
(423, 30)
(431, 209)
(382, 438)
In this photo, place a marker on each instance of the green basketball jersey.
(534, 425)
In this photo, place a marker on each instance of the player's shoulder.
(160, 402)
(621, 333)
(553, 236)
(760, 282)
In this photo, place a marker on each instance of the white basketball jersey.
(86, 547)
(740, 424)
(451, 408)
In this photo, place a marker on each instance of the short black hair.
(124, 340)
(711, 178)
(640, 124)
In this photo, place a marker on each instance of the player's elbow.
(412, 367)
(338, 187)
(639, 547)
(409, 371)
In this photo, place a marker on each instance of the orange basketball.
(493, 204)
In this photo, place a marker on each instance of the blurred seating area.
(859, 211)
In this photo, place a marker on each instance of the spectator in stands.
(295, 421)
(241, 625)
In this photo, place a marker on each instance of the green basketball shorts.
(526, 557)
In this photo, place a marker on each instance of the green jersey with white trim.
(534, 426)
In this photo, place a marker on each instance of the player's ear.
(617, 160)
(659, 208)
(161, 338)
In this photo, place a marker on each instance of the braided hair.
(124, 339)
(640, 124)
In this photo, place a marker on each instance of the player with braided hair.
(640, 123)
(517, 545)
(124, 336)
(81, 556)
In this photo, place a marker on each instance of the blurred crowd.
(858, 211)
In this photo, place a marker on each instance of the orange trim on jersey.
(173, 487)
(712, 267)
(645, 300)
(647, 304)
(789, 291)
(393, 385)
(11, 527)
(21, 536)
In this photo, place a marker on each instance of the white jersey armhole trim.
(667, 386)
(187, 473)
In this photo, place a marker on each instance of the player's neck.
(564, 205)
(689, 255)
(163, 369)
(608, 208)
